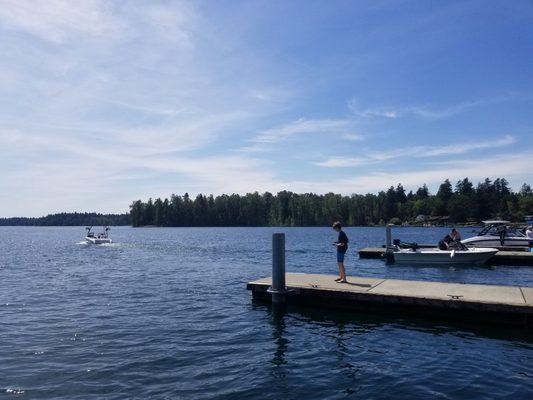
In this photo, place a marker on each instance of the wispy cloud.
(94, 172)
(342, 162)
(122, 111)
(426, 112)
(102, 102)
(57, 21)
(415, 151)
(461, 148)
(354, 137)
(326, 127)
(511, 166)
(302, 126)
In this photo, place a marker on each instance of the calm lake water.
(165, 314)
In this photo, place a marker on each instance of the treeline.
(462, 203)
(69, 219)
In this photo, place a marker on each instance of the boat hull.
(444, 257)
(94, 240)
(494, 241)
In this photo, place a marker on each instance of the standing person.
(502, 231)
(342, 246)
(529, 235)
(456, 237)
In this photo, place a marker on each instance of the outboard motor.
(404, 245)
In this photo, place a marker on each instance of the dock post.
(388, 236)
(388, 244)
(278, 289)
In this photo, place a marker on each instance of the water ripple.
(164, 313)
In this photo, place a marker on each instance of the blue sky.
(105, 102)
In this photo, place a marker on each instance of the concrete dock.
(500, 258)
(509, 305)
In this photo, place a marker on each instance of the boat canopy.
(496, 222)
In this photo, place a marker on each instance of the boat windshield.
(492, 230)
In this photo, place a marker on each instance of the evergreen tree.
(487, 200)
(444, 194)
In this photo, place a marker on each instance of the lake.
(163, 313)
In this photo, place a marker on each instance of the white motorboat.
(475, 256)
(496, 233)
(100, 238)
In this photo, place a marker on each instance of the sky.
(106, 102)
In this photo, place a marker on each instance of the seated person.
(445, 243)
(455, 235)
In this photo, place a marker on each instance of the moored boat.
(464, 255)
(495, 233)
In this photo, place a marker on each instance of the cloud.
(103, 102)
(57, 21)
(271, 94)
(511, 166)
(302, 126)
(425, 112)
(354, 137)
(263, 141)
(415, 151)
(103, 178)
(124, 102)
(86, 175)
(342, 162)
(181, 134)
(461, 148)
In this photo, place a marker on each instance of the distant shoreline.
(2, 224)
(69, 219)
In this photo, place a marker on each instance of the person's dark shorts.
(340, 256)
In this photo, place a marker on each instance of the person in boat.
(456, 237)
(448, 243)
(445, 243)
(342, 246)
(502, 232)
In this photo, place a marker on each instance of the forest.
(461, 203)
(69, 219)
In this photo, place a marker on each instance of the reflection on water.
(277, 319)
(356, 347)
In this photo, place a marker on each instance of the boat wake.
(85, 243)
(113, 244)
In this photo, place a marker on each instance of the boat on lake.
(489, 236)
(100, 238)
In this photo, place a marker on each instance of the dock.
(508, 305)
(502, 257)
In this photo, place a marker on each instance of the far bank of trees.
(462, 202)
(69, 219)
